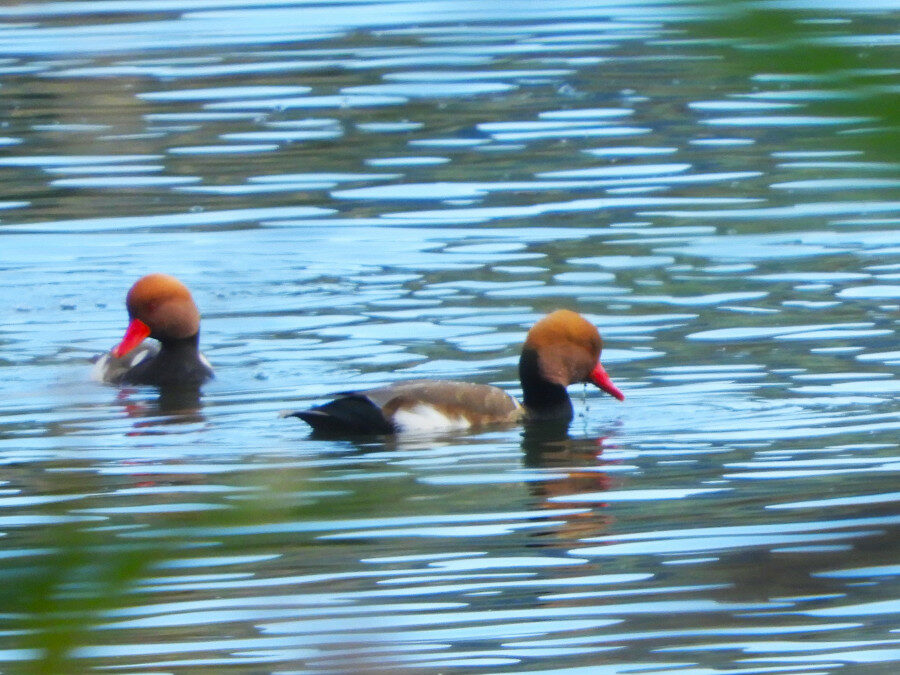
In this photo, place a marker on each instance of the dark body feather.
(172, 363)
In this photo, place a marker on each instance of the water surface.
(361, 192)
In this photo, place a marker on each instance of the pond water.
(359, 192)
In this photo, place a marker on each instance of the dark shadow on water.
(574, 465)
(550, 446)
(540, 439)
(178, 405)
(180, 401)
(546, 444)
(364, 442)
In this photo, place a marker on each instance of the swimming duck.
(561, 349)
(159, 307)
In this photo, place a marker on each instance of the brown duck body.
(414, 405)
(561, 349)
(159, 307)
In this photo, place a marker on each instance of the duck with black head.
(561, 349)
(159, 307)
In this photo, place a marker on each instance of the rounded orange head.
(161, 307)
(568, 350)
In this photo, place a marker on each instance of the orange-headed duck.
(160, 307)
(561, 349)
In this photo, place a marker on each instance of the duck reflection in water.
(170, 405)
(574, 466)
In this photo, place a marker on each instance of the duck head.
(161, 307)
(564, 348)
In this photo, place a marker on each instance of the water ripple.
(369, 191)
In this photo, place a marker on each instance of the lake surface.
(360, 192)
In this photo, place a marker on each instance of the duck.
(159, 307)
(562, 348)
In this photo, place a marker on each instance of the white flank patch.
(98, 372)
(138, 357)
(423, 417)
(108, 368)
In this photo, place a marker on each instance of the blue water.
(359, 192)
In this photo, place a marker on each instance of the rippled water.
(359, 192)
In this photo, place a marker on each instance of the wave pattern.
(365, 191)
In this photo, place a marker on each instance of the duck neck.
(542, 398)
(181, 346)
(179, 363)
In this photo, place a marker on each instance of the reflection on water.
(364, 192)
(181, 404)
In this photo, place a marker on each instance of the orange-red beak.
(601, 379)
(135, 335)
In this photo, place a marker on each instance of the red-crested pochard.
(561, 349)
(160, 307)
